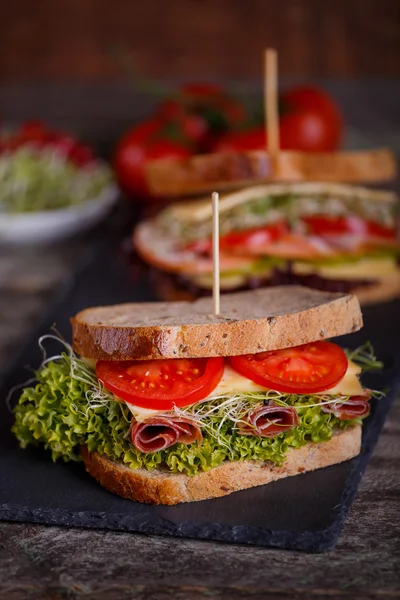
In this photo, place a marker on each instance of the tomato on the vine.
(309, 121)
(201, 112)
(161, 384)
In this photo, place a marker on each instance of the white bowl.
(49, 226)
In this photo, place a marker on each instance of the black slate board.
(302, 513)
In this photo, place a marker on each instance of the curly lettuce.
(67, 408)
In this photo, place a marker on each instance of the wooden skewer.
(271, 101)
(215, 252)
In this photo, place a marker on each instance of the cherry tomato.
(305, 369)
(161, 384)
(310, 120)
(138, 146)
(325, 225)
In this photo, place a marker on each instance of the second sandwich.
(326, 236)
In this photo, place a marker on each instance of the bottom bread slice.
(162, 487)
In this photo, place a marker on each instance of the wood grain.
(99, 564)
(191, 38)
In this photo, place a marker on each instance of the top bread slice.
(250, 322)
(202, 173)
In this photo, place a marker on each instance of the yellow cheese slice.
(372, 268)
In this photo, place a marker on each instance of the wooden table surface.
(43, 562)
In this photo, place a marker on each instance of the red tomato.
(81, 155)
(201, 111)
(252, 238)
(322, 225)
(161, 384)
(305, 369)
(63, 143)
(182, 123)
(310, 121)
(248, 238)
(242, 141)
(32, 131)
(138, 146)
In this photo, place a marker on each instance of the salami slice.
(269, 420)
(161, 432)
(353, 408)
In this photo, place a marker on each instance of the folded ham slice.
(269, 420)
(353, 408)
(159, 433)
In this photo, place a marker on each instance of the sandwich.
(167, 403)
(202, 173)
(331, 237)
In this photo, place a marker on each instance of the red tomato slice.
(161, 384)
(253, 238)
(322, 225)
(305, 369)
(245, 240)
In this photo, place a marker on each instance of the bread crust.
(232, 170)
(162, 487)
(255, 321)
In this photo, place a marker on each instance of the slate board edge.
(309, 541)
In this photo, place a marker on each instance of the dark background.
(96, 66)
(61, 39)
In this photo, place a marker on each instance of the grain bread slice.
(253, 321)
(161, 487)
(199, 174)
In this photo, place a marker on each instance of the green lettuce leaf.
(65, 410)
